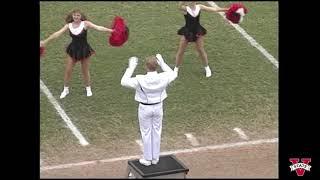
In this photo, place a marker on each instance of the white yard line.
(205, 148)
(241, 133)
(62, 113)
(192, 139)
(252, 41)
(139, 142)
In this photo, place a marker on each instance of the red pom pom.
(120, 34)
(232, 15)
(42, 50)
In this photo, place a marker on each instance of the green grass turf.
(243, 91)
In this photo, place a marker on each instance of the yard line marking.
(205, 148)
(252, 41)
(139, 142)
(41, 157)
(192, 139)
(63, 166)
(62, 113)
(241, 133)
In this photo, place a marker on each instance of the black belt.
(149, 104)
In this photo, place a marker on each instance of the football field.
(239, 103)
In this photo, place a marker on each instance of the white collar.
(193, 13)
(77, 30)
(152, 72)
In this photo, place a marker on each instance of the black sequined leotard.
(79, 48)
(192, 29)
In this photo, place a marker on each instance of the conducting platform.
(168, 167)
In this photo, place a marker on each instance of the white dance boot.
(89, 92)
(208, 71)
(64, 93)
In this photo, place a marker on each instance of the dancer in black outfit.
(79, 49)
(193, 32)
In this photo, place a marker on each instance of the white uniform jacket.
(151, 87)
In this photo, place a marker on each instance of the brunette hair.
(188, 3)
(69, 17)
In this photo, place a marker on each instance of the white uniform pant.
(150, 122)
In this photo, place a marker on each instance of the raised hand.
(133, 62)
(159, 59)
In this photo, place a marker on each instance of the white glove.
(133, 62)
(159, 59)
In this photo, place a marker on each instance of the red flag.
(42, 50)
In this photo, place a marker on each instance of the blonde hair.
(151, 63)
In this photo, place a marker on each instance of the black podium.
(168, 167)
